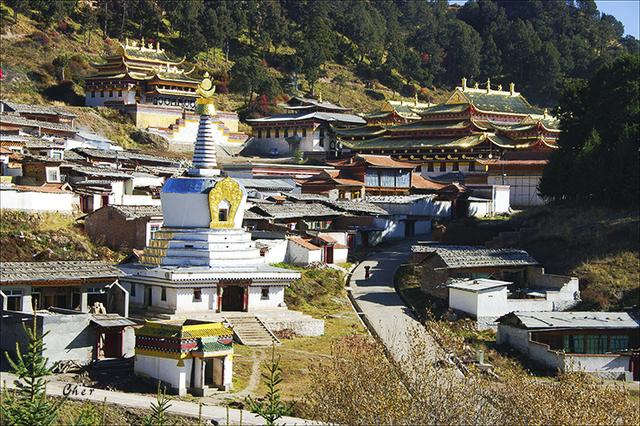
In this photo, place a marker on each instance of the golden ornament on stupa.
(205, 90)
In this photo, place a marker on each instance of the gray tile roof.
(99, 171)
(323, 116)
(395, 199)
(135, 212)
(295, 210)
(307, 197)
(272, 184)
(357, 206)
(124, 155)
(471, 257)
(37, 109)
(21, 121)
(583, 320)
(16, 272)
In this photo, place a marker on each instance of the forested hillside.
(270, 47)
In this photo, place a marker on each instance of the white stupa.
(202, 260)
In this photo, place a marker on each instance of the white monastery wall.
(276, 297)
(38, 201)
(523, 189)
(166, 370)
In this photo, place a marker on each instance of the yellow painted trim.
(226, 190)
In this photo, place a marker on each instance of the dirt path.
(254, 379)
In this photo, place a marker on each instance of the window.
(597, 344)
(111, 93)
(163, 294)
(304, 133)
(197, 295)
(286, 133)
(619, 343)
(277, 133)
(264, 293)
(102, 93)
(322, 136)
(93, 93)
(472, 166)
(132, 292)
(355, 194)
(456, 167)
(430, 167)
(223, 215)
(53, 174)
(268, 133)
(119, 93)
(56, 155)
(259, 134)
(443, 167)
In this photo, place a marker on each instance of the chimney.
(488, 85)
(464, 83)
(512, 88)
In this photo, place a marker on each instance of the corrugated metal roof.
(111, 320)
(11, 272)
(295, 210)
(574, 319)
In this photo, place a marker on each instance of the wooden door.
(328, 256)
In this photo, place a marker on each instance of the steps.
(250, 331)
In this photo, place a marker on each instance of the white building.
(202, 260)
(487, 299)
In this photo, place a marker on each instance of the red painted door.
(328, 258)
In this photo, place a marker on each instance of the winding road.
(384, 311)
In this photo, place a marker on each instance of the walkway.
(181, 408)
(384, 311)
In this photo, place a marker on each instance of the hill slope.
(598, 245)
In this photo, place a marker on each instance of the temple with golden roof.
(157, 91)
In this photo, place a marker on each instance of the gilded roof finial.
(141, 43)
(476, 85)
(546, 113)
(320, 96)
(488, 85)
(205, 90)
(415, 98)
(157, 46)
(512, 88)
(500, 87)
(464, 83)
(126, 42)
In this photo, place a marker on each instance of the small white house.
(487, 299)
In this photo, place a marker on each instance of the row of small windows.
(286, 132)
(174, 102)
(442, 167)
(93, 93)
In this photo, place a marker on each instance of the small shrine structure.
(190, 356)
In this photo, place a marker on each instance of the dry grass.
(363, 387)
(53, 235)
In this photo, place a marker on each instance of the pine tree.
(158, 416)
(29, 404)
(271, 407)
